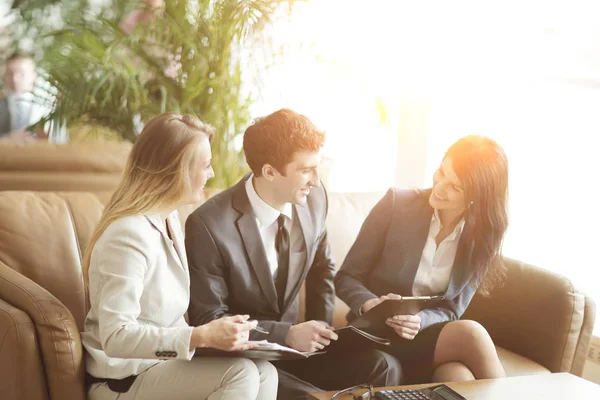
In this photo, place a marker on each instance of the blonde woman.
(138, 343)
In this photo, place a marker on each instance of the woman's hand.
(227, 333)
(367, 305)
(405, 326)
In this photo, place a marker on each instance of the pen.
(261, 330)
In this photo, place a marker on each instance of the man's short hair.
(274, 139)
(18, 55)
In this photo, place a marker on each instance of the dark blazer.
(229, 270)
(387, 252)
(4, 117)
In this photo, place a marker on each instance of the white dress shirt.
(266, 220)
(435, 267)
(24, 110)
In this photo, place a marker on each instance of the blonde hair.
(157, 173)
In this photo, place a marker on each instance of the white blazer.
(139, 291)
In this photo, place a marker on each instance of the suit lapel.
(178, 242)
(171, 244)
(420, 216)
(461, 269)
(308, 230)
(253, 244)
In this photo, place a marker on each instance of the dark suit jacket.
(387, 252)
(4, 117)
(229, 270)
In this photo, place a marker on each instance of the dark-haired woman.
(444, 240)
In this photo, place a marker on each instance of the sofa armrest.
(581, 352)
(21, 369)
(57, 333)
(537, 314)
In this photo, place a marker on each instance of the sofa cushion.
(517, 365)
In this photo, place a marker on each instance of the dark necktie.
(282, 246)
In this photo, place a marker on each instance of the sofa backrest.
(62, 167)
(43, 236)
(347, 212)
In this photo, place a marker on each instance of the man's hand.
(367, 305)
(405, 326)
(227, 333)
(309, 336)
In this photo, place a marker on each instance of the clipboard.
(373, 321)
(264, 351)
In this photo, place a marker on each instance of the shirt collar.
(266, 214)
(457, 229)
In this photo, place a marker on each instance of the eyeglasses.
(365, 390)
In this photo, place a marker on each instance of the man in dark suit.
(251, 247)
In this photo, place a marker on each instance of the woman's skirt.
(416, 356)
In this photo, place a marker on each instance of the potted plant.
(183, 56)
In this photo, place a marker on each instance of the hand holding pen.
(226, 333)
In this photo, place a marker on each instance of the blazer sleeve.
(450, 310)
(119, 265)
(364, 255)
(208, 285)
(320, 291)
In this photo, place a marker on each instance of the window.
(395, 83)
(550, 134)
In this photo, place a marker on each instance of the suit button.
(174, 354)
(158, 354)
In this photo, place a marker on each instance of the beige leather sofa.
(77, 166)
(539, 321)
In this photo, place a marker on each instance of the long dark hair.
(481, 165)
